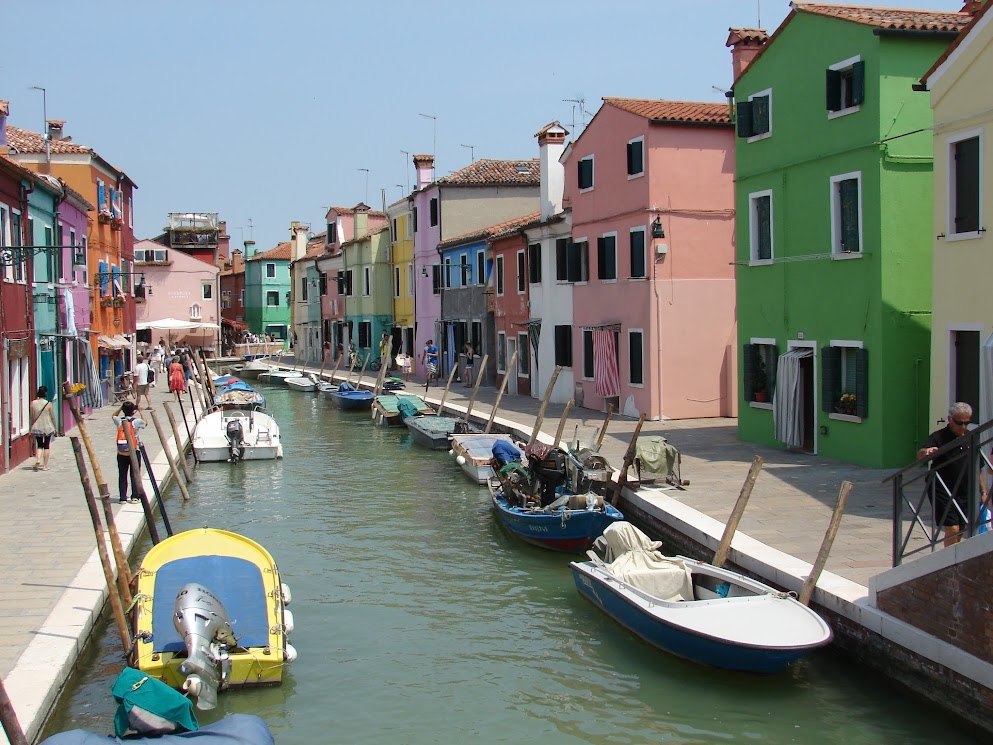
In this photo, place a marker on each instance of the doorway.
(808, 401)
(511, 374)
(964, 377)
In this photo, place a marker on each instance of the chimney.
(424, 165)
(55, 127)
(237, 260)
(4, 112)
(745, 45)
(551, 144)
(972, 6)
(249, 249)
(298, 235)
(223, 240)
(361, 220)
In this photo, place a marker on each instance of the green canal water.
(418, 620)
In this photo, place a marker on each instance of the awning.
(174, 324)
(529, 322)
(115, 342)
(236, 325)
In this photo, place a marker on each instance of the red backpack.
(122, 440)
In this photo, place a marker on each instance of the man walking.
(429, 358)
(141, 381)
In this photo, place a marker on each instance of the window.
(366, 281)
(588, 354)
(606, 255)
(207, 290)
(636, 157)
(365, 333)
(563, 346)
(562, 260)
(845, 379)
(225, 299)
(534, 263)
(448, 273)
(760, 227)
(393, 230)
(20, 395)
(304, 290)
(270, 270)
(322, 283)
(130, 212)
(639, 263)
(636, 357)
(8, 270)
(16, 239)
(414, 216)
(523, 356)
(195, 312)
(272, 299)
(480, 267)
(755, 116)
(464, 272)
(396, 281)
(348, 283)
(521, 273)
(501, 352)
(410, 279)
(149, 255)
(846, 214)
(578, 261)
(758, 365)
(499, 275)
(83, 260)
(845, 87)
(586, 173)
(332, 233)
(964, 178)
(476, 336)
(436, 279)
(241, 298)
(73, 251)
(102, 205)
(434, 211)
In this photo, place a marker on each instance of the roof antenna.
(758, 11)
(582, 110)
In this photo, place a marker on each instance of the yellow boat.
(210, 613)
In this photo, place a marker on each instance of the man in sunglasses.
(949, 480)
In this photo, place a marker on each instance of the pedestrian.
(125, 418)
(469, 363)
(177, 378)
(163, 356)
(326, 354)
(384, 350)
(142, 373)
(340, 352)
(429, 358)
(403, 363)
(949, 477)
(42, 427)
(353, 354)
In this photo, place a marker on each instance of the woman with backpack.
(42, 427)
(128, 420)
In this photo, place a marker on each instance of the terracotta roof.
(550, 126)
(401, 200)
(676, 112)
(27, 141)
(500, 230)
(488, 172)
(351, 211)
(282, 252)
(15, 167)
(902, 19)
(958, 40)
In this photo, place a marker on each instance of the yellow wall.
(403, 256)
(962, 99)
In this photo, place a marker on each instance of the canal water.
(418, 620)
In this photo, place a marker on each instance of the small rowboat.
(303, 383)
(277, 376)
(387, 408)
(694, 610)
(474, 454)
(348, 398)
(434, 432)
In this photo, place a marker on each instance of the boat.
(350, 399)
(391, 410)
(695, 610)
(210, 614)
(434, 432)
(548, 502)
(277, 376)
(326, 387)
(236, 434)
(254, 367)
(222, 380)
(474, 454)
(393, 384)
(239, 395)
(304, 383)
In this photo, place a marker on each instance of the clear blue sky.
(267, 111)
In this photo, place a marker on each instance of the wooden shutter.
(849, 198)
(635, 157)
(636, 357)
(563, 346)
(749, 363)
(830, 377)
(436, 278)
(760, 115)
(862, 382)
(638, 253)
(584, 261)
(587, 353)
(967, 185)
(744, 115)
(601, 258)
(562, 259)
(585, 173)
(771, 367)
(414, 214)
(534, 263)
(434, 211)
(764, 227)
(833, 90)
(858, 83)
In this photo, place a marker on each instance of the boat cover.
(656, 455)
(506, 452)
(638, 562)
(234, 729)
(406, 407)
(150, 707)
(622, 537)
(480, 447)
(437, 424)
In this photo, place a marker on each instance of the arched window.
(195, 311)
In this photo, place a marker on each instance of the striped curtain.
(93, 395)
(787, 401)
(534, 336)
(605, 378)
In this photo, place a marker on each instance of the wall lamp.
(657, 231)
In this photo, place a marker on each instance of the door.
(808, 401)
(965, 373)
(512, 378)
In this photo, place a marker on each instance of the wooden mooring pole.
(181, 451)
(475, 388)
(807, 591)
(628, 460)
(503, 387)
(544, 405)
(8, 718)
(724, 547)
(565, 415)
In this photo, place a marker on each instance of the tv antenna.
(581, 102)
(472, 152)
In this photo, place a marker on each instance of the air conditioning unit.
(661, 249)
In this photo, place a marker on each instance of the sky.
(267, 113)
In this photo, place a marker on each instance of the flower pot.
(761, 397)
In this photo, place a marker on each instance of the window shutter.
(584, 261)
(833, 90)
(967, 185)
(101, 197)
(862, 382)
(562, 259)
(830, 377)
(587, 353)
(601, 258)
(762, 210)
(760, 115)
(744, 113)
(635, 157)
(771, 369)
(434, 211)
(414, 215)
(104, 279)
(563, 346)
(858, 83)
(849, 193)
(575, 262)
(638, 253)
(636, 357)
(585, 173)
(749, 363)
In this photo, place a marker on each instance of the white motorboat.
(326, 388)
(236, 434)
(304, 383)
(253, 368)
(474, 454)
(277, 376)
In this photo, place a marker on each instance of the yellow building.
(402, 266)
(962, 321)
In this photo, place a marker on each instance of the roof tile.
(27, 141)
(902, 19)
(675, 112)
(500, 230)
(282, 252)
(490, 172)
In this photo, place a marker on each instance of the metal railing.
(942, 488)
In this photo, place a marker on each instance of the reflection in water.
(418, 620)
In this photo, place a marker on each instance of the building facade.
(267, 293)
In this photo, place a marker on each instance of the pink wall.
(427, 308)
(175, 288)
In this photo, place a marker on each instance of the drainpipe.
(26, 190)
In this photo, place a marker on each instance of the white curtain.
(986, 381)
(787, 401)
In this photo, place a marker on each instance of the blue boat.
(239, 395)
(694, 610)
(350, 399)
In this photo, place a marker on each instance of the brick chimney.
(298, 236)
(223, 240)
(745, 44)
(238, 260)
(424, 165)
(551, 144)
(4, 112)
(361, 220)
(55, 129)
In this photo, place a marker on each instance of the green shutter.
(587, 353)
(966, 178)
(584, 261)
(771, 368)
(833, 86)
(601, 258)
(562, 259)
(858, 83)
(744, 114)
(862, 382)
(762, 215)
(638, 253)
(760, 115)
(830, 378)
(849, 198)
(749, 363)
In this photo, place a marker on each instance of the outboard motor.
(235, 435)
(201, 620)
(550, 473)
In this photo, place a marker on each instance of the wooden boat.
(303, 383)
(474, 454)
(210, 613)
(233, 435)
(350, 399)
(434, 432)
(695, 610)
(387, 408)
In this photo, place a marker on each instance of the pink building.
(650, 184)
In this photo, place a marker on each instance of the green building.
(267, 292)
(368, 285)
(834, 230)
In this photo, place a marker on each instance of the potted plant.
(107, 301)
(759, 382)
(119, 301)
(846, 404)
